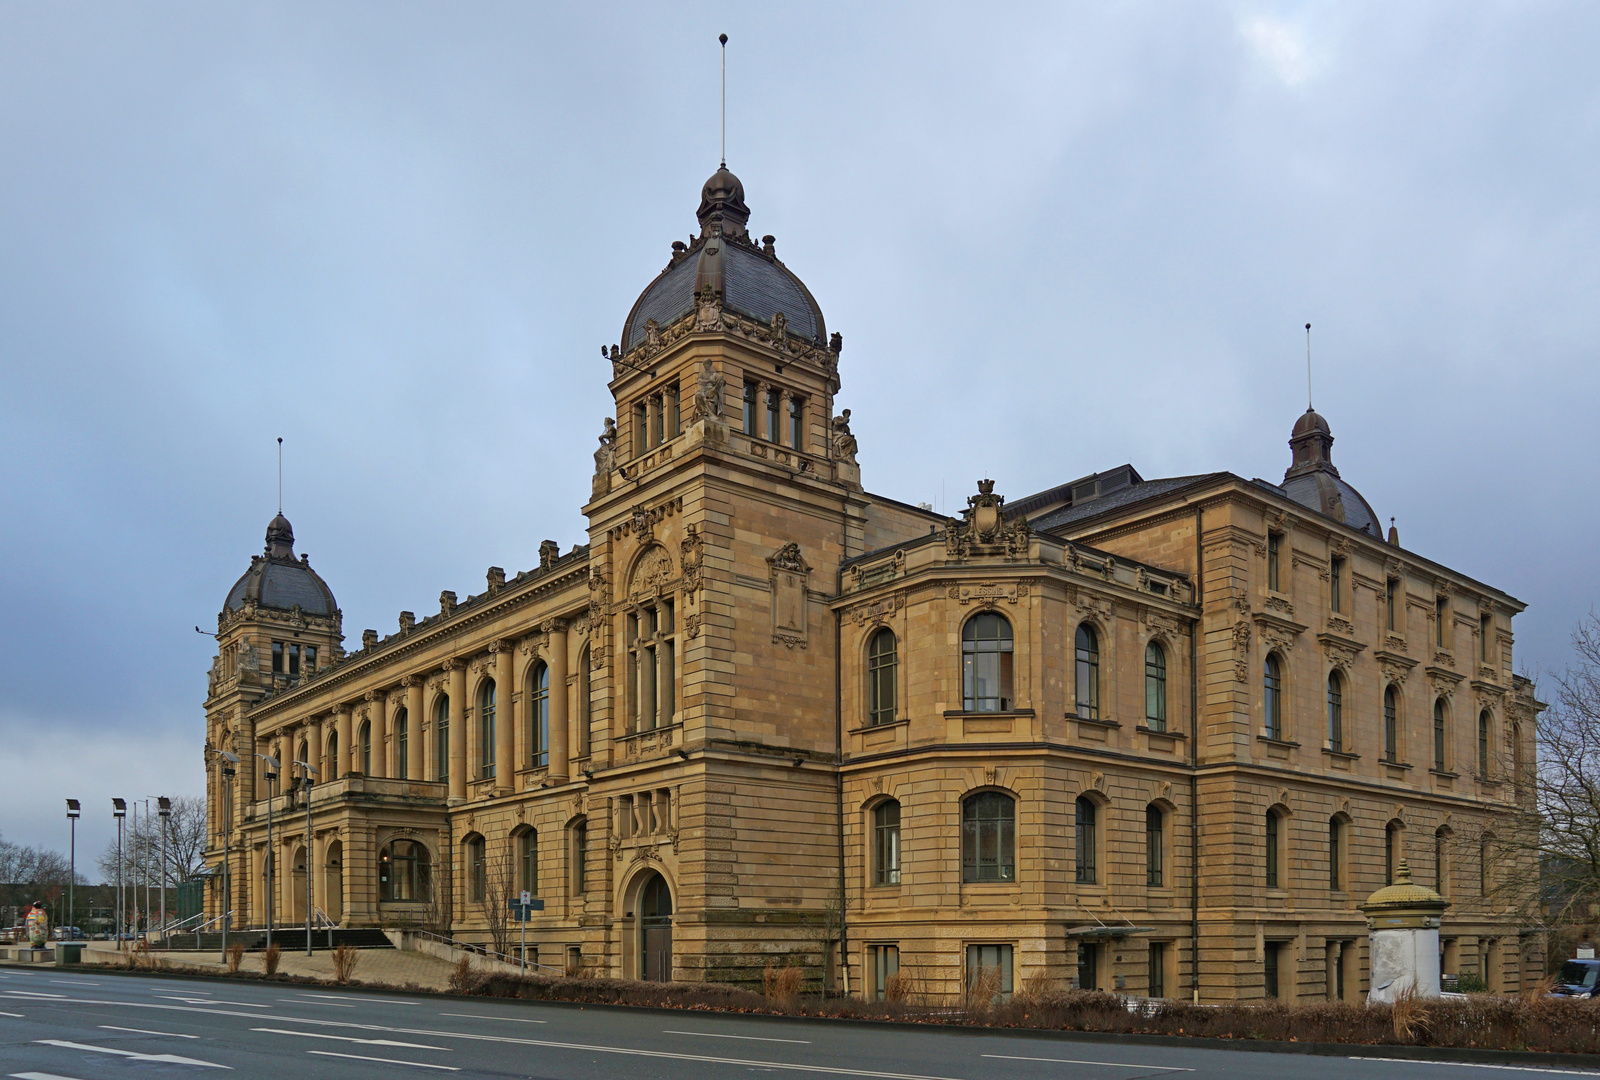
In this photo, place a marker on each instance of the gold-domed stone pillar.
(1403, 927)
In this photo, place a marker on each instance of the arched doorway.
(333, 881)
(297, 888)
(655, 930)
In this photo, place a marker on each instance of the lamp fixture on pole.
(119, 810)
(272, 856)
(164, 808)
(72, 872)
(230, 762)
(307, 771)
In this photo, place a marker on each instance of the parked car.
(68, 933)
(1578, 978)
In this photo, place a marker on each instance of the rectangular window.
(402, 753)
(797, 426)
(580, 858)
(1157, 978)
(1485, 628)
(1336, 584)
(886, 844)
(1274, 561)
(657, 422)
(1441, 615)
(277, 658)
(441, 746)
(773, 430)
(1335, 869)
(647, 687)
(750, 410)
(1272, 850)
(674, 425)
(585, 703)
(311, 658)
(1088, 965)
(883, 964)
(1270, 982)
(294, 659)
(1390, 602)
(641, 429)
(990, 965)
(1153, 855)
(669, 682)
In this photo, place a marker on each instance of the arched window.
(477, 868)
(1336, 845)
(527, 842)
(1155, 687)
(1438, 735)
(986, 663)
(333, 754)
(886, 843)
(883, 667)
(441, 738)
(1391, 725)
(1394, 849)
(1335, 712)
(989, 837)
(1087, 651)
(585, 703)
(539, 714)
(304, 756)
(1483, 744)
(1154, 846)
(1274, 848)
(404, 873)
(365, 745)
(1272, 696)
(486, 730)
(578, 837)
(402, 744)
(1087, 841)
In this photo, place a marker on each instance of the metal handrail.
(322, 921)
(213, 922)
(485, 951)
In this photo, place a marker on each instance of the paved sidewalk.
(389, 967)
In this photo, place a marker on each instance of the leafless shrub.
(344, 962)
(235, 957)
(897, 988)
(463, 980)
(270, 959)
(782, 984)
(982, 992)
(1035, 990)
(1408, 1014)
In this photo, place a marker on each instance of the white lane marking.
(359, 997)
(214, 1001)
(147, 1031)
(36, 994)
(74, 982)
(40, 1076)
(1075, 1061)
(1480, 1065)
(386, 1061)
(351, 1038)
(747, 1038)
(326, 1004)
(550, 1044)
(15, 1016)
(508, 1019)
(170, 1059)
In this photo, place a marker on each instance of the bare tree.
(499, 884)
(1566, 786)
(28, 874)
(142, 846)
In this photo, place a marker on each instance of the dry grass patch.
(345, 958)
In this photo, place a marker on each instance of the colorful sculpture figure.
(38, 922)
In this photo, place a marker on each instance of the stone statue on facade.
(605, 456)
(708, 393)
(844, 443)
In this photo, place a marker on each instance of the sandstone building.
(1159, 736)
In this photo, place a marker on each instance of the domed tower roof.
(748, 277)
(1312, 480)
(276, 579)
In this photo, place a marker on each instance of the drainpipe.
(1196, 628)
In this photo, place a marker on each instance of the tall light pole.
(269, 776)
(119, 810)
(72, 873)
(307, 771)
(230, 762)
(164, 807)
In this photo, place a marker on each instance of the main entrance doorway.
(655, 930)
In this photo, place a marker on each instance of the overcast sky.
(1055, 239)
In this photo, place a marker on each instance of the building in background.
(1157, 736)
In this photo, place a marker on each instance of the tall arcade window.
(1335, 713)
(477, 868)
(986, 663)
(1087, 671)
(886, 843)
(585, 703)
(365, 745)
(1272, 696)
(527, 841)
(1438, 735)
(989, 838)
(403, 873)
(1391, 725)
(402, 744)
(1274, 848)
(441, 738)
(1483, 744)
(882, 668)
(1154, 842)
(1087, 842)
(539, 715)
(1155, 687)
(652, 666)
(486, 729)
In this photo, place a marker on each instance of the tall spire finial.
(1308, 367)
(724, 39)
(280, 474)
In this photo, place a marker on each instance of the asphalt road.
(83, 1026)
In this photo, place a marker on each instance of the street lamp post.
(164, 806)
(272, 855)
(119, 810)
(230, 762)
(72, 872)
(307, 772)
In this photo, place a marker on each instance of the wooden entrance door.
(655, 931)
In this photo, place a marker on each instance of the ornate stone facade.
(765, 713)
